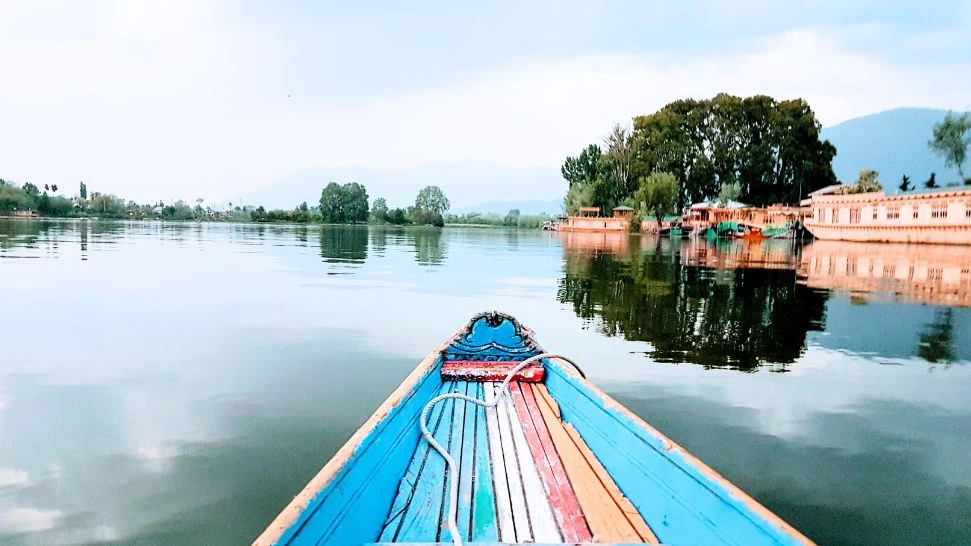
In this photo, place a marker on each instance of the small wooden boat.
(550, 460)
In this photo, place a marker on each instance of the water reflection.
(343, 244)
(739, 318)
(429, 245)
(935, 274)
(936, 341)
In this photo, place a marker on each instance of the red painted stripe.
(563, 500)
(467, 370)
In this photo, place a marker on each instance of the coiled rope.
(453, 489)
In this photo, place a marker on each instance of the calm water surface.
(179, 383)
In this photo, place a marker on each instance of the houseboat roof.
(942, 189)
(828, 190)
(717, 205)
(623, 207)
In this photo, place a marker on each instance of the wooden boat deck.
(556, 462)
(524, 477)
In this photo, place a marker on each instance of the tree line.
(756, 149)
(339, 204)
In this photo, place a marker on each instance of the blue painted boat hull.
(359, 490)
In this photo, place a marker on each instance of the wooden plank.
(475, 370)
(541, 521)
(662, 480)
(388, 425)
(563, 500)
(422, 518)
(465, 458)
(517, 496)
(484, 524)
(507, 531)
(410, 481)
(595, 490)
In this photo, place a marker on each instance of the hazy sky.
(213, 98)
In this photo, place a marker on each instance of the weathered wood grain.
(504, 510)
(517, 495)
(604, 512)
(474, 370)
(316, 496)
(563, 501)
(484, 524)
(541, 520)
(422, 518)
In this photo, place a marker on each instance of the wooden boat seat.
(525, 476)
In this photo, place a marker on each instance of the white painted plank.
(542, 521)
(503, 506)
(517, 496)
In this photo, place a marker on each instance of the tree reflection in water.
(740, 318)
(936, 341)
(343, 244)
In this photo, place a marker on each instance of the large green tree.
(770, 149)
(344, 204)
(952, 137)
(379, 211)
(657, 195)
(431, 200)
(355, 202)
(332, 204)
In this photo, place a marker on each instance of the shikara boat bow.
(553, 461)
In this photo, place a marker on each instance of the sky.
(184, 99)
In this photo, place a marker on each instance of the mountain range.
(893, 143)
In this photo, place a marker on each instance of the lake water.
(179, 383)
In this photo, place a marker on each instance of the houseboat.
(934, 216)
(589, 219)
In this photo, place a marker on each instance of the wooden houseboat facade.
(942, 216)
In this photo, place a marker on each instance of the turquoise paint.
(422, 519)
(351, 508)
(492, 337)
(410, 480)
(681, 505)
(466, 461)
(484, 526)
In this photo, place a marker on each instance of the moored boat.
(941, 216)
(536, 454)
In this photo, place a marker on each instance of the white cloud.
(27, 520)
(13, 476)
(534, 113)
(157, 100)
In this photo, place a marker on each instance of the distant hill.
(466, 184)
(551, 207)
(892, 143)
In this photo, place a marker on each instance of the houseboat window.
(893, 213)
(854, 216)
(874, 213)
(889, 271)
(935, 274)
(835, 218)
(916, 211)
(967, 212)
(939, 210)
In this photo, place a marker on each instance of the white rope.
(453, 490)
